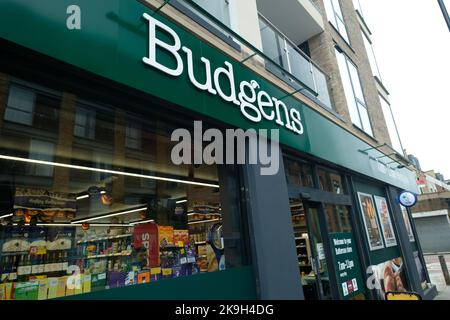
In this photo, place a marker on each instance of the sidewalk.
(436, 276)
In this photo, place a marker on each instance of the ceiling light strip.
(109, 215)
(7, 215)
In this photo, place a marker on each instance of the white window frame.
(334, 15)
(357, 100)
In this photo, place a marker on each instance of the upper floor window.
(391, 125)
(84, 123)
(372, 58)
(20, 107)
(336, 18)
(357, 5)
(133, 136)
(354, 93)
(43, 151)
(32, 107)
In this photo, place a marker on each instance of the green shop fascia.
(126, 43)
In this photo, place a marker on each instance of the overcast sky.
(412, 45)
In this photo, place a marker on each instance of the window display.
(105, 208)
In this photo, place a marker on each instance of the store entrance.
(313, 266)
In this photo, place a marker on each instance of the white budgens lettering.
(248, 100)
(229, 74)
(296, 121)
(255, 104)
(154, 42)
(208, 86)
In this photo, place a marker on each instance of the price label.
(155, 271)
(166, 272)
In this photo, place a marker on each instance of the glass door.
(312, 262)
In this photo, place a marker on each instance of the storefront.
(91, 205)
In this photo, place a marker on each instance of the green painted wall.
(114, 39)
(232, 284)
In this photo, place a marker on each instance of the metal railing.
(294, 61)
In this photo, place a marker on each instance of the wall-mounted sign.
(407, 199)
(347, 266)
(254, 103)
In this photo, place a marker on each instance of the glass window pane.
(337, 9)
(44, 151)
(390, 123)
(367, 127)
(331, 181)
(90, 219)
(329, 11)
(348, 89)
(372, 58)
(342, 30)
(20, 105)
(355, 81)
(298, 173)
(338, 219)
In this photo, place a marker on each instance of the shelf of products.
(104, 261)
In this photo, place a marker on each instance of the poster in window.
(373, 230)
(390, 276)
(407, 223)
(386, 223)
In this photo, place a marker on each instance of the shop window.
(44, 151)
(330, 181)
(177, 221)
(299, 173)
(338, 219)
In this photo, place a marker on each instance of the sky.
(412, 45)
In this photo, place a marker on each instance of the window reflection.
(299, 173)
(96, 190)
(330, 181)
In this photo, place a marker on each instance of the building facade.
(94, 207)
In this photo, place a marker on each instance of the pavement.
(436, 276)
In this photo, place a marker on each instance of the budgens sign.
(255, 104)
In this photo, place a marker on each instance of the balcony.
(299, 20)
(294, 63)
